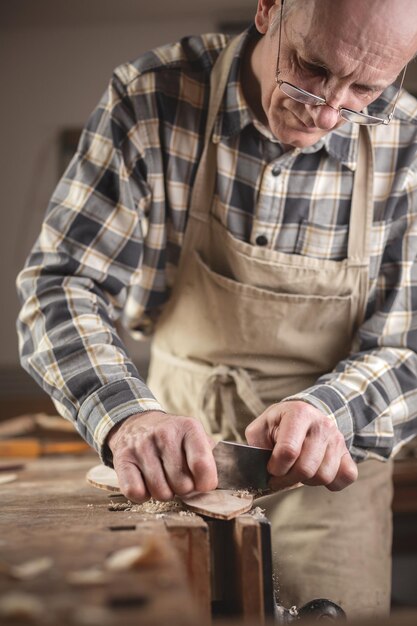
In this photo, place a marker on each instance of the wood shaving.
(242, 493)
(31, 569)
(155, 506)
(152, 506)
(133, 557)
(187, 514)
(88, 577)
(257, 512)
(28, 570)
(7, 478)
(120, 506)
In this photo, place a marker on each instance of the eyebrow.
(316, 62)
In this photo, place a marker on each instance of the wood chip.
(88, 577)
(31, 569)
(7, 478)
(27, 570)
(258, 512)
(134, 557)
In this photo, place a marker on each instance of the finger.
(176, 470)
(153, 473)
(346, 475)
(200, 458)
(167, 445)
(257, 433)
(320, 454)
(289, 439)
(329, 467)
(130, 481)
(327, 471)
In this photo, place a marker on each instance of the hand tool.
(240, 466)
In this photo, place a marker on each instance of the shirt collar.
(341, 144)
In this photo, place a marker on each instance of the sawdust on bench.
(152, 507)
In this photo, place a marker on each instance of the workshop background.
(56, 58)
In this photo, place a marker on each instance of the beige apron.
(247, 326)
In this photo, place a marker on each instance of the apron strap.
(220, 384)
(361, 213)
(217, 399)
(204, 184)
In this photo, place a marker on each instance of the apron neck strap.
(361, 212)
(204, 184)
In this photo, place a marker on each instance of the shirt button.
(276, 171)
(261, 240)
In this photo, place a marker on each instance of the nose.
(325, 117)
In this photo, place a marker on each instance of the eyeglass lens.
(298, 94)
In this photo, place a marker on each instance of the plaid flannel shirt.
(111, 240)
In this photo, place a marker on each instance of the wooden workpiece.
(60, 543)
(220, 503)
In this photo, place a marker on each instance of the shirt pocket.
(321, 241)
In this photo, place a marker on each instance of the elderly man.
(252, 202)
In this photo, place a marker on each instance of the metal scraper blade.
(241, 466)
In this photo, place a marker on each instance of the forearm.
(372, 396)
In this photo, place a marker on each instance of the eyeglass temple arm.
(391, 115)
(277, 71)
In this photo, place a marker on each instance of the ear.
(263, 16)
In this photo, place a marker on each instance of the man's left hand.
(306, 444)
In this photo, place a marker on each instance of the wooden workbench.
(50, 511)
(201, 566)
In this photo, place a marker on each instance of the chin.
(296, 138)
(289, 130)
(304, 142)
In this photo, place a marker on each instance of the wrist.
(112, 436)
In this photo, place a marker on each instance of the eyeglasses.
(305, 97)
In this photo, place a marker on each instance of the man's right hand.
(159, 455)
